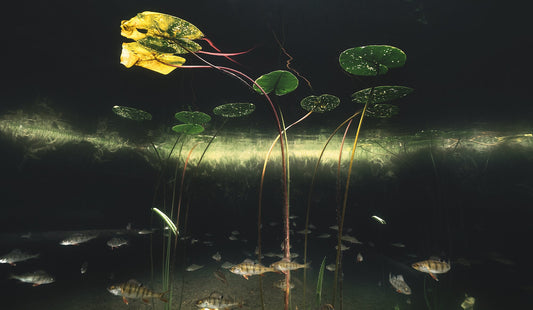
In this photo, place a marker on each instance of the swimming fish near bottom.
(399, 284)
(433, 266)
(36, 278)
(248, 268)
(217, 301)
(135, 290)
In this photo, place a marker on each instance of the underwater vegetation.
(195, 167)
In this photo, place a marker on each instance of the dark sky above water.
(466, 59)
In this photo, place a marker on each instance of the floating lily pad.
(381, 94)
(320, 104)
(234, 109)
(196, 117)
(280, 82)
(383, 110)
(371, 60)
(132, 113)
(188, 129)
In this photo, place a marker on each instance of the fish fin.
(245, 276)
(145, 300)
(35, 284)
(248, 261)
(308, 265)
(125, 300)
(433, 276)
(12, 264)
(162, 296)
(135, 282)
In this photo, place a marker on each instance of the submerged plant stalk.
(345, 201)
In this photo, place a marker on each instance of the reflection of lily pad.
(280, 82)
(132, 113)
(367, 60)
(234, 109)
(188, 129)
(381, 94)
(383, 110)
(195, 117)
(320, 104)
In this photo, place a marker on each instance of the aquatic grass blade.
(319, 283)
(167, 220)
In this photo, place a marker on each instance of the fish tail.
(162, 296)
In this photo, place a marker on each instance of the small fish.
(432, 266)
(220, 276)
(194, 267)
(227, 265)
(232, 238)
(145, 231)
(359, 258)
(235, 233)
(26, 236)
(128, 227)
(324, 236)
(468, 303)
(37, 277)
(217, 301)
(303, 231)
(16, 256)
(398, 245)
(330, 267)
(217, 256)
(83, 268)
(134, 290)
(193, 241)
(116, 242)
(334, 227)
(270, 254)
(286, 265)
(343, 247)
(350, 239)
(249, 268)
(282, 245)
(77, 238)
(311, 226)
(282, 284)
(293, 217)
(399, 284)
(208, 243)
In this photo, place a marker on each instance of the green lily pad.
(383, 110)
(381, 94)
(371, 59)
(196, 117)
(188, 129)
(280, 82)
(234, 109)
(132, 113)
(320, 104)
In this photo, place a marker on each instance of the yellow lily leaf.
(159, 25)
(134, 53)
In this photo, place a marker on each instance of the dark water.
(451, 174)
